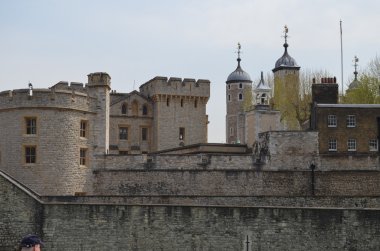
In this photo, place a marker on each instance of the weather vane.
(286, 30)
(356, 60)
(239, 47)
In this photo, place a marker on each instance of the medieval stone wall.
(140, 227)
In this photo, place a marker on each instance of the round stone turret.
(238, 98)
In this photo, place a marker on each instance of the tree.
(295, 98)
(366, 91)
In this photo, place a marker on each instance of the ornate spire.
(356, 60)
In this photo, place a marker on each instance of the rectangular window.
(83, 129)
(83, 157)
(240, 86)
(373, 145)
(351, 121)
(351, 145)
(144, 133)
(229, 97)
(123, 152)
(331, 121)
(123, 133)
(333, 145)
(231, 131)
(30, 154)
(181, 133)
(31, 125)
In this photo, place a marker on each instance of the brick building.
(343, 128)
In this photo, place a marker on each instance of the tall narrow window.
(331, 121)
(373, 145)
(351, 121)
(231, 131)
(145, 110)
(181, 102)
(124, 109)
(196, 103)
(240, 86)
(83, 157)
(123, 133)
(229, 97)
(83, 129)
(144, 134)
(351, 145)
(167, 101)
(181, 133)
(333, 145)
(31, 125)
(240, 96)
(30, 154)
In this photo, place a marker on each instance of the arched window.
(124, 109)
(263, 99)
(240, 96)
(135, 108)
(145, 110)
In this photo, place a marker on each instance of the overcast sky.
(47, 41)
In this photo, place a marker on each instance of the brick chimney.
(325, 92)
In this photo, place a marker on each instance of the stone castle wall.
(89, 226)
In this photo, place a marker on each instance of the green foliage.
(367, 90)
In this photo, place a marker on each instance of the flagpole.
(341, 55)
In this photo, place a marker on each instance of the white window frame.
(373, 145)
(351, 145)
(331, 121)
(333, 145)
(351, 121)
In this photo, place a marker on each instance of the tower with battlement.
(99, 85)
(179, 113)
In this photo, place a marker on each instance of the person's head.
(31, 243)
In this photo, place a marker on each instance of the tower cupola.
(285, 61)
(238, 75)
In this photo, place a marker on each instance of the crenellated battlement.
(61, 96)
(176, 86)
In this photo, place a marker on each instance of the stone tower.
(179, 111)
(99, 85)
(286, 87)
(239, 99)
